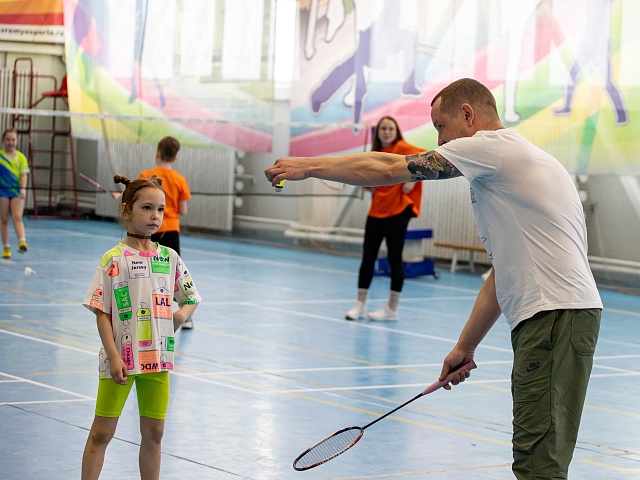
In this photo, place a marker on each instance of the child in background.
(131, 295)
(391, 209)
(14, 170)
(177, 193)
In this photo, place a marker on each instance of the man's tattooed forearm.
(428, 166)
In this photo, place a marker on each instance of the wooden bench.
(461, 247)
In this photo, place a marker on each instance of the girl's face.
(387, 132)
(145, 215)
(10, 141)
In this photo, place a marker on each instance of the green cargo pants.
(553, 356)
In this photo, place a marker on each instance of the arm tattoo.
(430, 166)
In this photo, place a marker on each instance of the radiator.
(22, 98)
(210, 174)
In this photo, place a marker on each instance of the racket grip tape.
(441, 383)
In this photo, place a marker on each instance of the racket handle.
(441, 383)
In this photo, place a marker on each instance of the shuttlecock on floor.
(29, 271)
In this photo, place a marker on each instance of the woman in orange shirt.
(391, 209)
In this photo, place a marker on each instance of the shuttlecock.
(29, 271)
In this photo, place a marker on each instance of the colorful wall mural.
(200, 61)
(564, 72)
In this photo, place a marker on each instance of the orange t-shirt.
(176, 190)
(389, 200)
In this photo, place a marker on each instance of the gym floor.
(272, 367)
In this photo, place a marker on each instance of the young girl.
(391, 209)
(131, 295)
(14, 170)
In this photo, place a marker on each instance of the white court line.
(381, 328)
(244, 303)
(34, 402)
(49, 387)
(213, 382)
(48, 305)
(201, 378)
(423, 385)
(385, 387)
(622, 312)
(615, 357)
(359, 367)
(47, 342)
(613, 375)
(205, 254)
(613, 369)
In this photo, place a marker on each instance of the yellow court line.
(354, 409)
(37, 295)
(427, 472)
(59, 340)
(633, 471)
(611, 410)
(254, 386)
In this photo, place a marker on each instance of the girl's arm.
(23, 185)
(105, 330)
(184, 312)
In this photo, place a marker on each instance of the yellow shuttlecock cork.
(279, 185)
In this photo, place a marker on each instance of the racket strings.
(328, 448)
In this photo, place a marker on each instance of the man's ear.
(469, 114)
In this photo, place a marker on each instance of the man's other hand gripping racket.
(342, 440)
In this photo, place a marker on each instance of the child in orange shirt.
(177, 193)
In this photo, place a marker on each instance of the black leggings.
(393, 229)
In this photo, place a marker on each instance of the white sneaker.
(188, 324)
(357, 311)
(385, 313)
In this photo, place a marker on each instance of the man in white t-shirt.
(530, 219)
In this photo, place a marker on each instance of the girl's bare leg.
(150, 447)
(101, 433)
(17, 210)
(5, 215)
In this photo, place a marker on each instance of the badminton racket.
(115, 195)
(344, 439)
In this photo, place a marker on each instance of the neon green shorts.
(152, 390)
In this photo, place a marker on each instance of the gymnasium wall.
(274, 78)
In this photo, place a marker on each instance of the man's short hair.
(466, 90)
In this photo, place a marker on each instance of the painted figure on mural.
(142, 8)
(381, 35)
(595, 50)
(514, 19)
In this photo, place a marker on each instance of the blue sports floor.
(271, 367)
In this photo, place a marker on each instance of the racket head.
(328, 448)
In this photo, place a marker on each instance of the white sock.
(362, 294)
(394, 298)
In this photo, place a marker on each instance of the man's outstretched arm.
(364, 169)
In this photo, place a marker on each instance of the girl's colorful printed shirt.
(137, 289)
